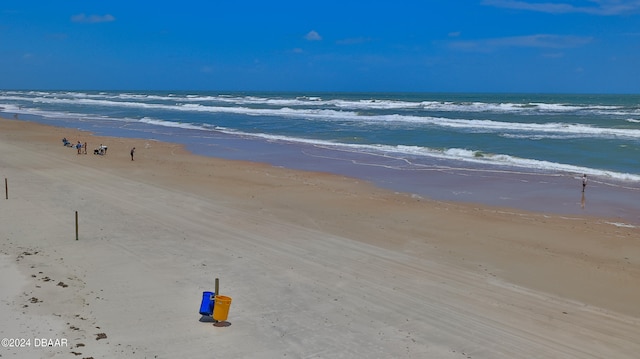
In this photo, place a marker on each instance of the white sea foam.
(401, 151)
(624, 225)
(306, 101)
(188, 126)
(337, 115)
(344, 111)
(538, 137)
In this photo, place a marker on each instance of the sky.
(524, 46)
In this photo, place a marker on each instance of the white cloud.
(92, 19)
(354, 40)
(594, 7)
(555, 55)
(313, 36)
(534, 41)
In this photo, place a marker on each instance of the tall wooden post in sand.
(214, 298)
(76, 225)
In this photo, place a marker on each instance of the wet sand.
(429, 177)
(318, 265)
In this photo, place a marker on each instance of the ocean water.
(516, 150)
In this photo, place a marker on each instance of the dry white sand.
(318, 266)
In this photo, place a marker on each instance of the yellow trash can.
(221, 307)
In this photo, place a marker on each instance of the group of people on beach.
(82, 148)
(79, 146)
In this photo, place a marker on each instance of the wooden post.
(214, 298)
(6, 189)
(76, 225)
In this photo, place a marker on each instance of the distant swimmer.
(584, 182)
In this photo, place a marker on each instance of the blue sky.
(568, 46)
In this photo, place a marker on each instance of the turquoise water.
(361, 133)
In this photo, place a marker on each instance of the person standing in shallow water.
(584, 182)
(132, 151)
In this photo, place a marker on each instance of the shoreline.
(440, 180)
(310, 259)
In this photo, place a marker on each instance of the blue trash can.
(206, 307)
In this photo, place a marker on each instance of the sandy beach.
(318, 265)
